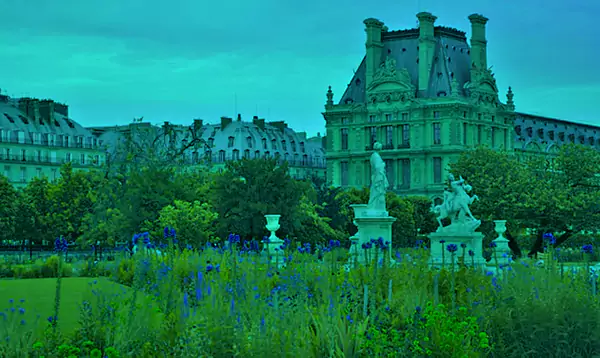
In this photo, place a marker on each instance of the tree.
(33, 208)
(250, 188)
(70, 201)
(8, 210)
(560, 195)
(423, 217)
(193, 222)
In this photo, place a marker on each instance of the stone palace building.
(427, 95)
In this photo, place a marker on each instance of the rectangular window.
(23, 174)
(283, 145)
(230, 142)
(406, 136)
(345, 121)
(2, 135)
(372, 119)
(344, 172)
(493, 137)
(23, 155)
(479, 116)
(405, 116)
(465, 114)
(437, 170)
(82, 158)
(38, 155)
(38, 172)
(479, 130)
(405, 173)
(372, 135)
(21, 137)
(249, 142)
(388, 117)
(389, 171)
(389, 136)
(236, 154)
(274, 144)
(437, 136)
(66, 141)
(436, 114)
(68, 157)
(344, 133)
(465, 130)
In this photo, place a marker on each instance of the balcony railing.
(32, 159)
(387, 146)
(309, 163)
(51, 143)
(403, 145)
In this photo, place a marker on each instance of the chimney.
(426, 47)
(24, 104)
(373, 28)
(478, 41)
(198, 123)
(239, 117)
(260, 123)
(46, 111)
(61, 109)
(281, 125)
(33, 109)
(225, 121)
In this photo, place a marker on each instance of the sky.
(115, 60)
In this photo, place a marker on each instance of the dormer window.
(582, 139)
(230, 142)
(221, 156)
(518, 130)
(293, 143)
(236, 154)
(540, 133)
(249, 141)
(302, 147)
(283, 145)
(247, 154)
(561, 135)
(529, 131)
(551, 135)
(572, 138)
(211, 142)
(591, 140)
(264, 143)
(274, 144)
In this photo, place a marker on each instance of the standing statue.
(379, 181)
(456, 205)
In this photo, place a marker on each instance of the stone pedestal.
(371, 225)
(473, 240)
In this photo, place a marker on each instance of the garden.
(202, 286)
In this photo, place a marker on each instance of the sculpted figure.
(379, 181)
(456, 204)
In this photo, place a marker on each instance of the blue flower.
(442, 241)
(451, 248)
(471, 253)
(492, 244)
(463, 245)
(587, 249)
(548, 236)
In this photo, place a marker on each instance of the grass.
(39, 297)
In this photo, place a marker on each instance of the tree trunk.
(538, 245)
(513, 244)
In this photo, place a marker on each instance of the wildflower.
(418, 309)
(209, 268)
(11, 301)
(22, 310)
(463, 245)
(492, 244)
(548, 236)
(349, 319)
(489, 273)
(60, 244)
(587, 249)
(451, 248)
(442, 241)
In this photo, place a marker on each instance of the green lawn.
(39, 297)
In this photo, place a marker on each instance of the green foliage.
(8, 209)
(34, 208)
(249, 189)
(547, 195)
(194, 222)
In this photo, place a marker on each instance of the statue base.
(372, 224)
(440, 256)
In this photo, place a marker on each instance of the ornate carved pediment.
(390, 84)
(482, 88)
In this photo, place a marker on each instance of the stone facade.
(230, 140)
(428, 95)
(37, 137)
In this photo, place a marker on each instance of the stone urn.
(501, 241)
(274, 242)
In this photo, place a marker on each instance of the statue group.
(456, 207)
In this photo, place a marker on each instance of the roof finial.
(329, 97)
(454, 86)
(509, 99)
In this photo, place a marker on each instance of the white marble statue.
(456, 206)
(379, 181)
